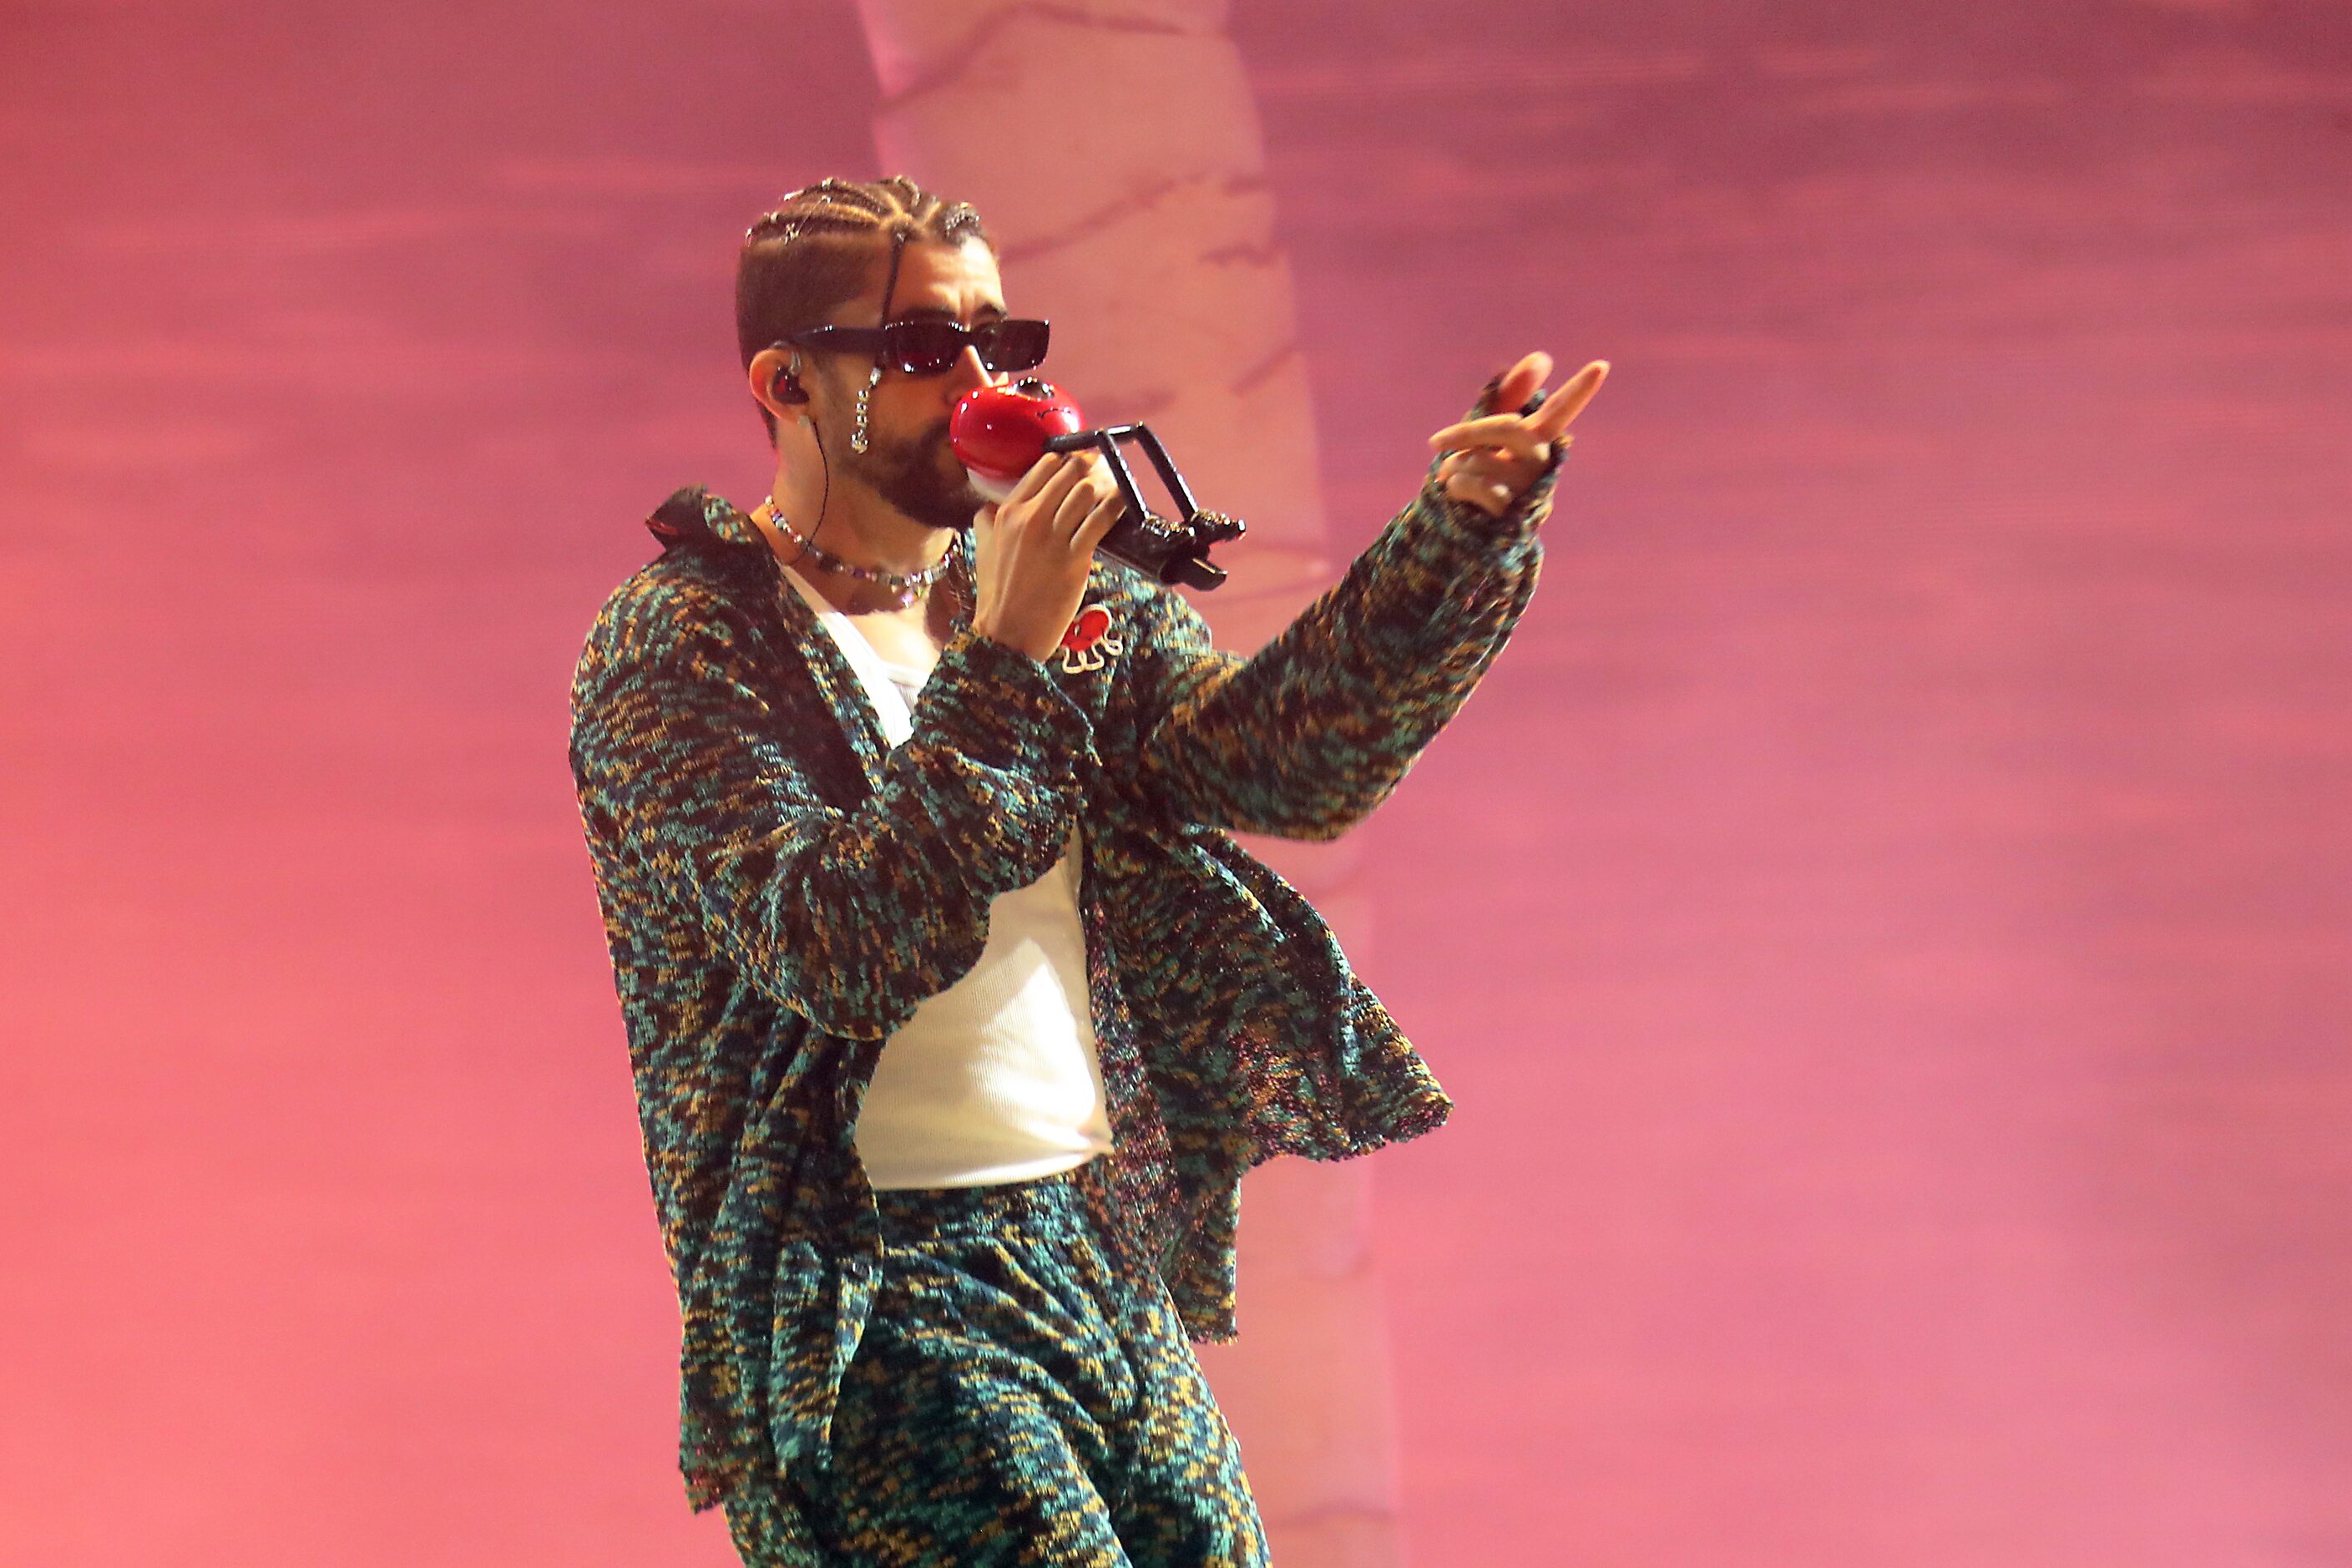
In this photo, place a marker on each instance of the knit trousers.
(1022, 1393)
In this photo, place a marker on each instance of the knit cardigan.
(781, 887)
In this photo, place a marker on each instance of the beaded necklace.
(902, 587)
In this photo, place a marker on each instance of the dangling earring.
(857, 436)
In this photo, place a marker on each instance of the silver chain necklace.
(901, 586)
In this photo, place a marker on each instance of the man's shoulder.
(701, 578)
(696, 603)
(658, 610)
(677, 586)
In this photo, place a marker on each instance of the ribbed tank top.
(996, 1078)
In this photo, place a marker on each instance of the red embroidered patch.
(1087, 629)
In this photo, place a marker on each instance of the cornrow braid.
(808, 255)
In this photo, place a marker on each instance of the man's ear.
(773, 382)
(762, 375)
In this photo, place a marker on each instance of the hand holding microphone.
(1001, 433)
(1032, 550)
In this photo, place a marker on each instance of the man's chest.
(909, 645)
(908, 640)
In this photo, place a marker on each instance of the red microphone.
(998, 433)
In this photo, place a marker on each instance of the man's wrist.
(1002, 639)
(1022, 719)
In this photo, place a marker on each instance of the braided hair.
(812, 252)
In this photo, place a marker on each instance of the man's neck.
(882, 538)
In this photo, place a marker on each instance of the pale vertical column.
(1114, 151)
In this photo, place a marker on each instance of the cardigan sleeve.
(848, 918)
(1304, 738)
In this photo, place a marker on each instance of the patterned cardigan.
(779, 888)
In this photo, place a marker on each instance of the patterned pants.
(1024, 1393)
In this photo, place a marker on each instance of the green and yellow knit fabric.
(781, 888)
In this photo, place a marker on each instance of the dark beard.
(906, 474)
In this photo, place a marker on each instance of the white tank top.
(996, 1078)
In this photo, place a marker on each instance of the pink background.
(1887, 920)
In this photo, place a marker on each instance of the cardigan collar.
(693, 515)
(693, 518)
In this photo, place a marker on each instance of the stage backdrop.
(1885, 919)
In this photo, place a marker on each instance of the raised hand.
(1497, 457)
(1033, 553)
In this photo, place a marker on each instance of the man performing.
(956, 1016)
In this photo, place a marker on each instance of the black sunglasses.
(926, 348)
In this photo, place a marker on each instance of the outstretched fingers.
(1519, 382)
(1568, 402)
(1526, 438)
(1507, 431)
